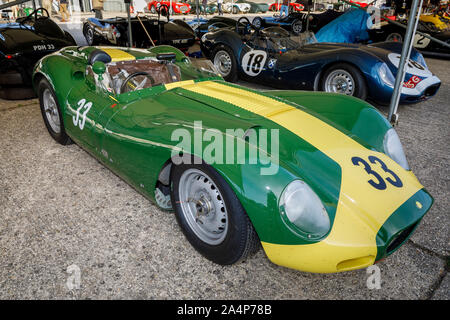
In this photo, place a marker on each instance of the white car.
(236, 7)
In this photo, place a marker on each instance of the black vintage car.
(391, 32)
(296, 21)
(114, 31)
(22, 44)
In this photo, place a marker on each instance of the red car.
(177, 7)
(292, 7)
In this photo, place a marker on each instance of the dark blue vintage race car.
(269, 56)
(22, 44)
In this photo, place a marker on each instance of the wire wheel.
(203, 206)
(340, 81)
(51, 111)
(89, 35)
(297, 27)
(257, 22)
(222, 61)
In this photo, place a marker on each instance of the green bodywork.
(131, 134)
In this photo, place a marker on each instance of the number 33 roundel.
(253, 62)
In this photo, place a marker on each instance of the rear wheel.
(89, 35)
(210, 215)
(225, 62)
(297, 27)
(257, 22)
(345, 79)
(395, 37)
(51, 112)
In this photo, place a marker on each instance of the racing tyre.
(297, 27)
(345, 79)
(225, 62)
(51, 112)
(395, 37)
(89, 35)
(257, 22)
(210, 215)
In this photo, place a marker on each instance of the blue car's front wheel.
(345, 79)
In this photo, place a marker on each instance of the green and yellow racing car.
(319, 180)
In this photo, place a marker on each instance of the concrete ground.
(63, 216)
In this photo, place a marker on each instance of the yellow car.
(435, 20)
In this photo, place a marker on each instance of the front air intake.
(400, 238)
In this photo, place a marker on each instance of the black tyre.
(394, 37)
(257, 22)
(210, 215)
(345, 79)
(51, 112)
(297, 27)
(225, 62)
(89, 35)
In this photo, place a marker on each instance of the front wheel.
(297, 27)
(257, 22)
(89, 35)
(225, 62)
(51, 112)
(210, 215)
(345, 79)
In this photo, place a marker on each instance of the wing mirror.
(99, 69)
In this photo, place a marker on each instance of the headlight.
(420, 59)
(303, 208)
(393, 148)
(386, 75)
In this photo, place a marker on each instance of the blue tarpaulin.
(351, 27)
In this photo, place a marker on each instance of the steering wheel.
(35, 14)
(165, 13)
(248, 26)
(131, 85)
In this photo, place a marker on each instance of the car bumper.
(427, 88)
(423, 90)
(340, 255)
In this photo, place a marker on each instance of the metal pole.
(196, 4)
(34, 5)
(406, 50)
(130, 37)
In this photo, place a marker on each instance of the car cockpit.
(126, 73)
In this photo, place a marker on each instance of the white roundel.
(412, 67)
(420, 41)
(253, 62)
